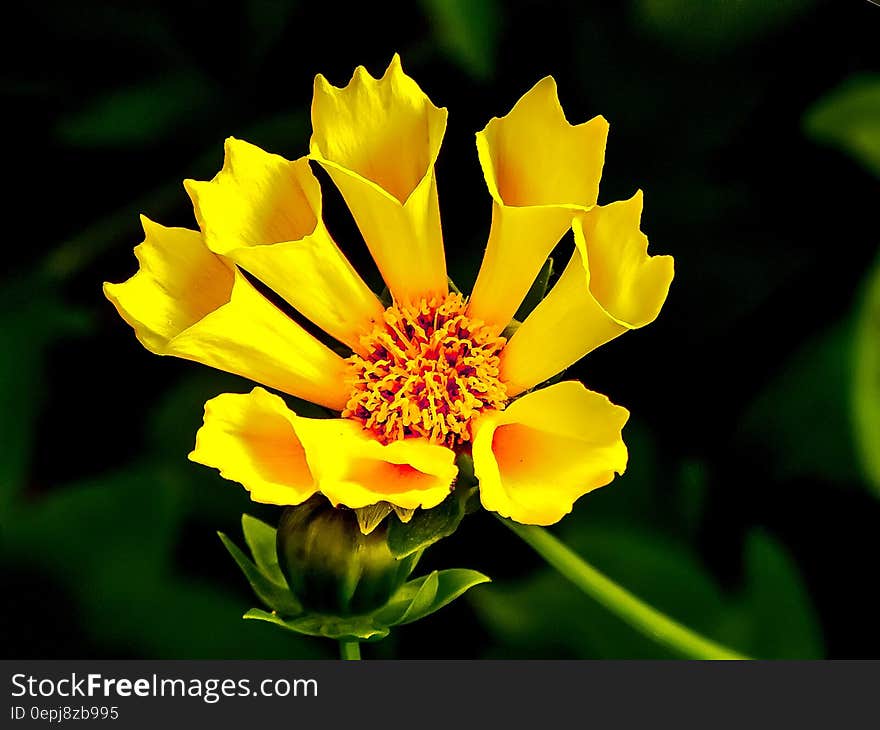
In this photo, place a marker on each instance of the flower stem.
(350, 649)
(618, 600)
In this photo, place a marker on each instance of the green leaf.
(272, 594)
(109, 542)
(32, 317)
(182, 618)
(429, 525)
(131, 515)
(260, 539)
(422, 600)
(781, 621)
(467, 31)
(714, 26)
(399, 603)
(448, 585)
(801, 421)
(848, 118)
(536, 292)
(415, 600)
(359, 628)
(139, 114)
(865, 388)
(425, 595)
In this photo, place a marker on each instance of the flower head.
(434, 374)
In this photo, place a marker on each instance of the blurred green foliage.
(139, 115)
(714, 25)
(865, 388)
(771, 617)
(468, 31)
(848, 117)
(805, 411)
(109, 542)
(32, 316)
(804, 393)
(822, 412)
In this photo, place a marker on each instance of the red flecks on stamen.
(428, 372)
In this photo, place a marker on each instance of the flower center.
(428, 372)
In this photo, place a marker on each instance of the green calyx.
(332, 565)
(319, 575)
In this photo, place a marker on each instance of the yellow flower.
(431, 375)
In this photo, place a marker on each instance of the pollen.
(428, 370)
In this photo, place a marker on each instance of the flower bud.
(331, 566)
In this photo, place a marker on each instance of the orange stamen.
(428, 372)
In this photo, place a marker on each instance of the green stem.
(618, 600)
(350, 649)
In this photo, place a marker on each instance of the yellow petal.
(264, 213)
(533, 156)
(378, 139)
(520, 240)
(354, 469)
(547, 449)
(610, 285)
(283, 458)
(252, 439)
(539, 169)
(188, 302)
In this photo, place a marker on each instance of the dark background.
(750, 509)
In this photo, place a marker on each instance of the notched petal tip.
(178, 282)
(264, 213)
(384, 130)
(627, 282)
(257, 198)
(534, 156)
(539, 170)
(610, 285)
(188, 302)
(378, 139)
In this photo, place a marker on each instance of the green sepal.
(427, 526)
(392, 612)
(421, 600)
(385, 298)
(353, 628)
(260, 538)
(511, 329)
(415, 600)
(536, 292)
(467, 479)
(275, 595)
(451, 584)
(423, 596)
(466, 476)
